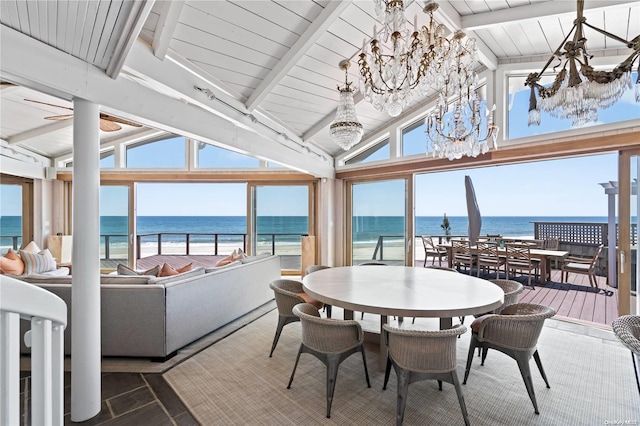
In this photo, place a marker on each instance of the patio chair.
(487, 256)
(461, 256)
(422, 355)
(331, 341)
(313, 268)
(430, 250)
(551, 243)
(515, 333)
(518, 258)
(627, 329)
(581, 265)
(288, 293)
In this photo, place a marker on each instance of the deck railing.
(48, 316)
(579, 232)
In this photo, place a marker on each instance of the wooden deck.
(576, 301)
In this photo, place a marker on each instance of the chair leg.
(635, 370)
(387, 371)
(332, 373)
(536, 357)
(294, 367)
(485, 351)
(281, 323)
(463, 406)
(472, 349)
(403, 388)
(525, 371)
(364, 361)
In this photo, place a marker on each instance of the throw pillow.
(227, 260)
(32, 247)
(38, 263)
(125, 270)
(11, 263)
(167, 270)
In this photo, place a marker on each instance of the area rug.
(234, 382)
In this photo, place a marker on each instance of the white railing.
(48, 316)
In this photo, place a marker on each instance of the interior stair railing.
(48, 316)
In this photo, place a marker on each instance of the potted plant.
(447, 228)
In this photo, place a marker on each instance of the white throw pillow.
(38, 263)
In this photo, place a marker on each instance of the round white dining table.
(403, 291)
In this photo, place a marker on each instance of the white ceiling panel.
(242, 50)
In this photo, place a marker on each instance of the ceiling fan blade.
(44, 103)
(108, 126)
(109, 117)
(60, 117)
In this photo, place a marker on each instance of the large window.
(414, 140)
(115, 244)
(281, 219)
(214, 157)
(377, 152)
(10, 217)
(378, 222)
(165, 153)
(518, 103)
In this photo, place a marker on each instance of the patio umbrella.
(475, 220)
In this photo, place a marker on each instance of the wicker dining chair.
(514, 332)
(331, 341)
(288, 293)
(627, 329)
(422, 355)
(311, 269)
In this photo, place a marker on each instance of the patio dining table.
(542, 255)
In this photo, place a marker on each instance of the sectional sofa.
(145, 316)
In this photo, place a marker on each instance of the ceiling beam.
(39, 131)
(21, 59)
(129, 35)
(177, 75)
(451, 19)
(534, 11)
(166, 26)
(318, 27)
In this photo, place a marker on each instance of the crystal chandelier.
(346, 131)
(578, 90)
(455, 129)
(389, 80)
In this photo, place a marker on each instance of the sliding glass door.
(629, 204)
(379, 223)
(281, 216)
(116, 226)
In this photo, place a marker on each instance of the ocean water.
(366, 228)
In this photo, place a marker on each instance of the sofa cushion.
(125, 270)
(226, 266)
(37, 263)
(184, 275)
(168, 271)
(249, 259)
(11, 263)
(125, 279)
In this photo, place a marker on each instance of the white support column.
(85, 290)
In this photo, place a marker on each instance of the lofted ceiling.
(270, 68)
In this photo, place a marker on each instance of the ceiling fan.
(107, 121)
